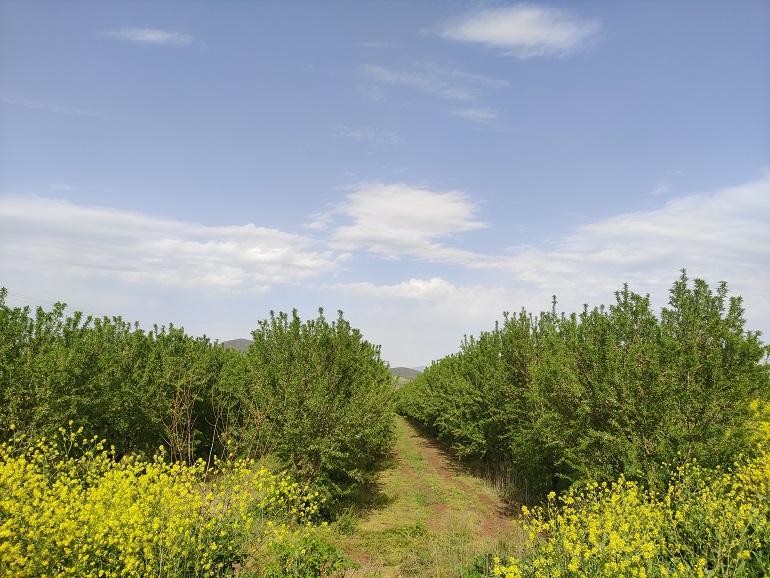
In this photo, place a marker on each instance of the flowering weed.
(708, 523)
(68, 508)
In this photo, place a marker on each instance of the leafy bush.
(325, 398)
(315, 395)
(306, 557)
(138, 389)
(614, 390)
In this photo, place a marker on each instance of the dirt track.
(480, 500)
(431, 517)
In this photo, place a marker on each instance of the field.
(610, 443)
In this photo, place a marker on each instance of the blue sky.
(422, 166)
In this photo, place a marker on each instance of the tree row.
(313, 395)
(560, 398)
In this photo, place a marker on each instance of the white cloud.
(477, 114)
(391, 220)
(52, 108)
(425, 289)
(92, 241)
(446, 83)
(369, 134)
(438, 294)
(661, 188)
(724, 231)
(61, 187)
(524, 30)
(425, 319)
(718, 236)
(721, 235)
(152, 36)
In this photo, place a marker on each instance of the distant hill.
(405, 372)
(239, 344)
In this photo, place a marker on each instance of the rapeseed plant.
(89, 515)
(708, 523)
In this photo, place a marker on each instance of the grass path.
(429, 517)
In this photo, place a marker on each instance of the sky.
(421, 166)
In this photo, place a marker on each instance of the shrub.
(610, 391)
(325, 398)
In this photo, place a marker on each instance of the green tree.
(612, 390)
(324, 398)
(712, 369)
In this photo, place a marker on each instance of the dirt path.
(479, 499)
(431, 517)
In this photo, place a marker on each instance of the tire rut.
(491, 510)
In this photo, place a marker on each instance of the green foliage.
(138, 389)
(614, 390)
(324, 398)
(718, 366)
(314, 395)
(308, 557)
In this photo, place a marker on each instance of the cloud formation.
(524, 30)
(723, 233)
(427, 289)
(152, 36)
(52, 108)
(391, 220)
(725, 230)
(447, 83)
(134, 247)
(477, 114)
(719, 235)
(368, 134)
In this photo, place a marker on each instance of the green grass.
(425, 517)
